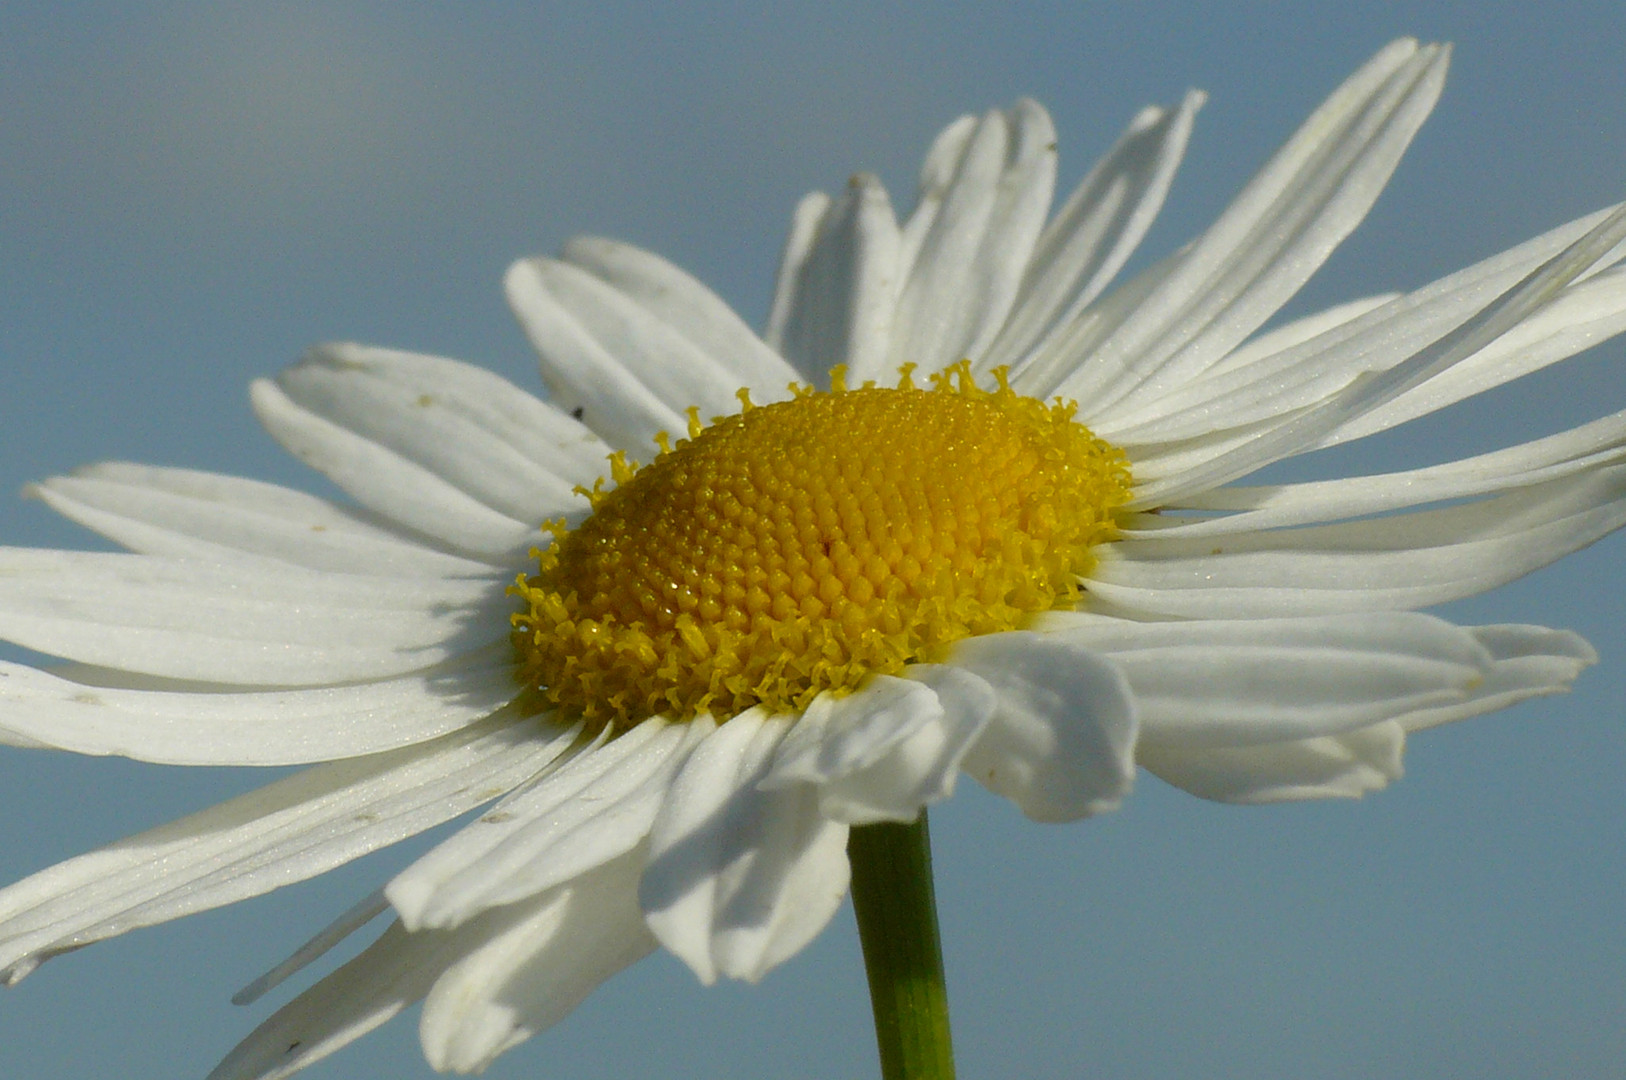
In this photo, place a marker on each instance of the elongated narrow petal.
(584, 378)
(269, 626)
(594, 807)
(185, 514)
(1275, 234)
(388, 482)
(284, 832)
(1096, 230)
(529, 976)
(672, 369)
(740, 878)
(1409, 560)
(1255, 509)
(277, 727)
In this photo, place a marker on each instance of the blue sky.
(190, 194)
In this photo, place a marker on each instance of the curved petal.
(180, 513)
(618, 354)
(1527, 662)
(287, 831)
(1061, 742)
(388, 481)
(1343, 766)
(920, 767)
(1255, 509)
(740, 878)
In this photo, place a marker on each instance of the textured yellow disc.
(802, 546)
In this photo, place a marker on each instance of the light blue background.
(189, 194)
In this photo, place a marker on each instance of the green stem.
(897, 925)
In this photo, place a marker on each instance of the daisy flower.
(959, 508)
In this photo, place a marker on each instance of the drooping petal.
(1096, 230)
(287, 831)
(185, 514)
(836, 300)
(882, 754)
(1246, 681)
(274, 727)
(591, 809)
(1343, 766)
(740, 878)
(985, 189)
(1527, 662)
(263, 626)
(1061, 742)
(531, 975)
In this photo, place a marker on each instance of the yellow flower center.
(802, 546)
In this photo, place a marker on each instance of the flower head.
(959, 508)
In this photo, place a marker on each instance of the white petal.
(1096, 229)
(839, 736)
(1403, 561)
(584, 377)
(688, 307)
(1331, 767)
(260, 626)
(740, 878)
(590, 809)
(389, 975)
(1233, 394)
(1061, 742)
(1585, 315)
(1528, 661)
(278, 727)
(287, 831)
(1248, 681)
(529, 976)
(1276, 233)
(387, 481)
(675, 370)
(983, 207)
(197, 515)
(359, 914)
(920, 768)
(805, 223)
(1601, 442)
(836, 303)
(1218, 458)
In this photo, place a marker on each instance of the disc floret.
(803, 546)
